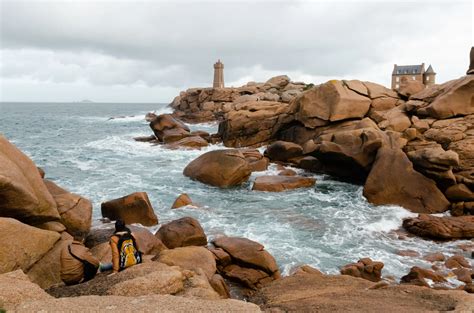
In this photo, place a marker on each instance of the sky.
(148, 51)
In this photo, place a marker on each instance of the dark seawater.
(326, 226)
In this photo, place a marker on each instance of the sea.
(88, 148)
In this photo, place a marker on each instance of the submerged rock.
(418, 276)
(445, 228)
(365, 268)
(182, 200)
(282, 182)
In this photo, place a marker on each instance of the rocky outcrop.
(133, 208)
(209, 104)
(23, 195)
(365, 268)
(220, 168)
(183, 232)
(344, 124)
(444, 228)
(23, 245)
(75, 211)
(281, 183)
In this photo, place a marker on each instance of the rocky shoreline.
(413, 148)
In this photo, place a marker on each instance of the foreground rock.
(183, 232)
(220, 168)
(134, 208)
(75, 211)
(143, 279)
(282, 182)
(190, 258)
(307, 292)
(365, 268)
(16, 288)
(444, 228)
(23, 194)
(152, 303)
(23, 245)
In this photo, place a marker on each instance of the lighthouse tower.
(218, 75)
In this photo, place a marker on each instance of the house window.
(427, 78)
(397, 86)
(397, 79)
(413, 77)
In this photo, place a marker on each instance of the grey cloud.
(174, 44)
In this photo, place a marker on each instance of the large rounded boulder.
(23, 195)
(183, 232)
(75, 211)
(134, 208)
(23, 245)
(392, 180)
(220, 168)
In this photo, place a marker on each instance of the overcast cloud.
(122, 51)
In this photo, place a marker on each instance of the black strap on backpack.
(90, 270)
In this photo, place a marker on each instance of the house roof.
(407, 69)
(430, 70)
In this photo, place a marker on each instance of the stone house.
(412, 72)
